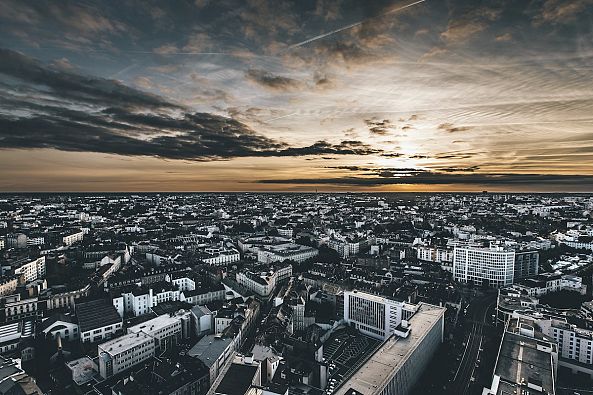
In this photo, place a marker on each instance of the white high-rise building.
(374, 315)
(493, 266)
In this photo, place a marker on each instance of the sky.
(303, 95)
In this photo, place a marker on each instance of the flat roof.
(209, 348)
(393, 353)
(154, 324)
(237, 379)
(520, 360)
(125, 342)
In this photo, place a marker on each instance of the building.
(165, 376)
(8, 284)
(32, 270)
(374, 315)
(396, 365)
(120, 354)
(98, 320)
(62, 325)
(493, 267)
(14, 308)
(202, 320)
(546, 283)
(166, 330)
(69, 238)
(526, 264)
(284, 252)
(215, 351)
(16, 240)
(10, 336)
(220, 256)
(575, 345)
(243, 373)
(527, 362)
(263, 283)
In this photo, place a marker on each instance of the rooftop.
(391, 356)
(96, 314)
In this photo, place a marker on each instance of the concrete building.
(72, 237)
(396, 365)
(215, 351)
(14, 308)
(527, 362)
(32, 270)
(284, 252)
(8, 284)
(493, 267)
(374, 315)
(265, 282)
(98, 320)
(546, 283)
(16, 240)
(575, 345)
(166, 330)
(120, 354)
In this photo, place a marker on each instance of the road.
(478, 315)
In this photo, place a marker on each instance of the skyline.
(296, 96)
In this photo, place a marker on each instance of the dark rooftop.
(96, 314)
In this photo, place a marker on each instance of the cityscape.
(319, 294)
(296, 197)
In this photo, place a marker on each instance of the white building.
(124, 352)
(287, 251)
(32, 270)
(166, 330)
(71, 238)
(484, 266)
(374, 315)
(263, 283)
(220, 256)
(575, 345)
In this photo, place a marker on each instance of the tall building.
(397, 364)
(526, 264)
(494, 267)
(374, 315)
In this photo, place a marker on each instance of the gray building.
(395, 367)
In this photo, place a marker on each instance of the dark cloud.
(346, 147)
(379, 127)
(71, 112)
(76, 87)
(272, 81)
(433, 178)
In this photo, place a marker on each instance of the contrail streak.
(319, 37)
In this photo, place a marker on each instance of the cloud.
(71, 112)
(469, 24)
(433, 178)
(76, 87)
(504, 37)
(450, 128)
(560, 11)
(379, 127)
(272, 81)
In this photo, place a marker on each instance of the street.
(478, 315)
